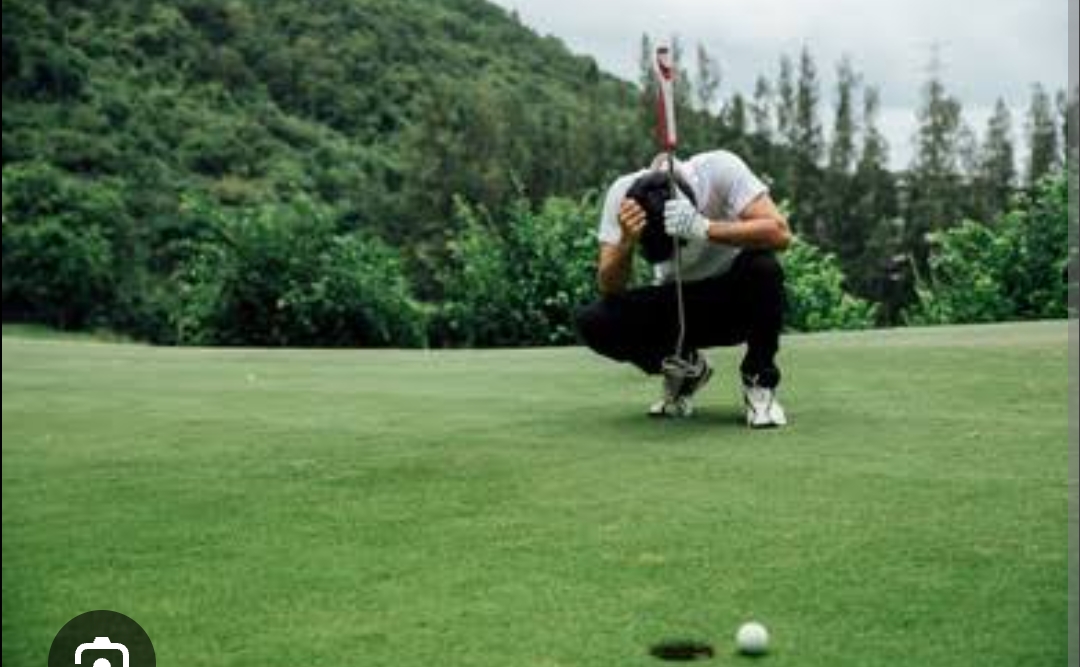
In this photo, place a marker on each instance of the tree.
(996, 176)
(647, 86)
(876, 264)
(842, 150)
(807, 131)
(736, 125)
(934, 179)
(842, 233)
(1013, 270)
(806, 145)
(785, 102)
(1042, 137)
(761, 109)
(709, 76)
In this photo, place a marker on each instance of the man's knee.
(764, 268)
(593, 325)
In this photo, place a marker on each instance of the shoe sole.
(764, 424)
(664, 413)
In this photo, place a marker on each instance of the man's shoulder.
(718, 159)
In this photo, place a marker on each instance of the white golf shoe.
(672, 407)
(763, 410)
(682, 379)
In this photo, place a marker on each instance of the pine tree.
(683, 83)
(709, 77)
(874, 153)
(1061, 101)
(1042, 137)
(997, 163)
(735, 121)
(878, 267)
(761, 110)
(785, 102)
(646, 81)
(782, 157)
(842, 149)
(806, 147)
(648, 87)
(809, 136)
(934, 179)
(840, 230)
(763, 133)
(967, 161)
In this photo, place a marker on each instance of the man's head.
(650, 191)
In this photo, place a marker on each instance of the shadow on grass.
(704, 419)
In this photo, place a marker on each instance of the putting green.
(457, 508)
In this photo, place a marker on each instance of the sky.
(987, 48)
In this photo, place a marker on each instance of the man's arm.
(615, 265)
(617, 259)
(761, 225)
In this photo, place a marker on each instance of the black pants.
(745, 305)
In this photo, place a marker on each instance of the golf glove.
(682, 220)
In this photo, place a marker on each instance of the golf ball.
(752, 638)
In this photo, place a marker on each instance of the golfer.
(728, 229)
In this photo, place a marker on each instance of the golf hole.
(681, 650)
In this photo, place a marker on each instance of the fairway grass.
(514, 509)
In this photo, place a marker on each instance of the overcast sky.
(988, 48)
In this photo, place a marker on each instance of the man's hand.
(632, 221)
(682, 220)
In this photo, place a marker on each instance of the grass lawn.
(514, 509)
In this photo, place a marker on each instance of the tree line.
(401, 172)
(880, 224)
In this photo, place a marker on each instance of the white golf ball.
(752, 638)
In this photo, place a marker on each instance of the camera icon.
(102, 643)
(117, 641)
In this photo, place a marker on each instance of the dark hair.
(650, 191)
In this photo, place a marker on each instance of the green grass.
(42, 332)
(512, 508)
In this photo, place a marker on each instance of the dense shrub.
(63, 244)
(284, 275)
(816, 296)
(518, 282)
(1014, 269)
(965, 284)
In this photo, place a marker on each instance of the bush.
(56, 272)
(966, 264)
(519, 282)
(64, 240)
(1037, 233)
(815, 289)
(1012, 270)
(283, 275)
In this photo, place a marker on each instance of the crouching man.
(728, 230)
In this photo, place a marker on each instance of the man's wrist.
(706, 227)
(715, 232)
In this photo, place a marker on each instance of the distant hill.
(383, 108)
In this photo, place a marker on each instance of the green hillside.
(364, 104)
(138, 137)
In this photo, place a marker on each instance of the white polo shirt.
(723, 186)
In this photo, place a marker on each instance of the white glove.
(682, 220)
